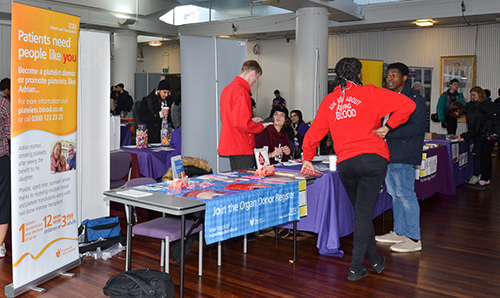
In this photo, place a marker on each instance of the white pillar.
(311, 73)
(125, 59)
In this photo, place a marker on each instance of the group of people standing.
(482, 116)
(353, 115)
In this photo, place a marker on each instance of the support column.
(311, 54)
(125, 59)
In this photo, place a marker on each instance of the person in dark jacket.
(124, 101)
(150, 111)
(405, 144)
(480, 123)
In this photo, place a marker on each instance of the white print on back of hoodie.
(346, 107)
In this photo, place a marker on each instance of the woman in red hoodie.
(352, 113)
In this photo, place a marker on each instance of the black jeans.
(362, 176)
(485, 158)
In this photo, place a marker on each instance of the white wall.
(157, 58)
(4, 51)
(277, 59)
(424, 47)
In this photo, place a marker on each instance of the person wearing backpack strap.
(448, 97)
(480, 121)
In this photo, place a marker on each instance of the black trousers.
(485, 158)
(362, 176)
(240, 162)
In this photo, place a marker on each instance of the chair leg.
(200, 253)
(167, 253)
(219, 254)
(245, 243)
(162, 253)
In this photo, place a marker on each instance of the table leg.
(128, 258)
(294, 241)
(183, 231)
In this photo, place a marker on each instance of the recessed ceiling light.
(424, 23)
(154, 43)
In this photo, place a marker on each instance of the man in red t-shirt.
(237, 125)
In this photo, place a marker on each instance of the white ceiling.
(345, 15)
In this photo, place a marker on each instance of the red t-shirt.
(352, 121)
(237, 128)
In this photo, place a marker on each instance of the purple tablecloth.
(330, 213)
(460, 159)
(440, 181)
(155, 162)
(125, 135)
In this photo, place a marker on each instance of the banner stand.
(10, 292)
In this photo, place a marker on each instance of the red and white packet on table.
(179, 183)
(306, 172)
(265, 171)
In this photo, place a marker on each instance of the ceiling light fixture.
(155, 43)
(424, 23)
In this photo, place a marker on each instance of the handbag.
(103, 227)
(140, 283)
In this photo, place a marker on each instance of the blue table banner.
(239, 212)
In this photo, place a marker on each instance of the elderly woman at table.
(275, 137)
(352, 114)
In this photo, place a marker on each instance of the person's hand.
(286, 150)
(267, 124)
(459, 138)
(381, 132)
(276, 152)
(257, 119)
(307, 165)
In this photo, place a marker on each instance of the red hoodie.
(352, 121)
(237, 128)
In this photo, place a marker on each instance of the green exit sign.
(164, 70)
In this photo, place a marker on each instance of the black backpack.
(140, 283)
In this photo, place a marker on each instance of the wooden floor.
(460, 258)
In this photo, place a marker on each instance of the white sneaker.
(474, 179)
(390, 237)
(407, 245)
(2, 251)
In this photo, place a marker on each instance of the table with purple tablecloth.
(438, 177)
(155, 161)
(460, 159)
(330, 213)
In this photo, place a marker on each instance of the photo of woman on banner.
(55, 159)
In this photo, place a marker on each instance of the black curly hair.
(347, 69)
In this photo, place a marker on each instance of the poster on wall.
(43, 137)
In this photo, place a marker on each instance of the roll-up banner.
(43, 135)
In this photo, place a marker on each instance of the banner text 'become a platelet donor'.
(44, 108)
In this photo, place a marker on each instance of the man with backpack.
(448, 97)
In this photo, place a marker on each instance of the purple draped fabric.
(330, 213)
(125, 135)
(154, 162)
(462, 166)
(440, 182)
